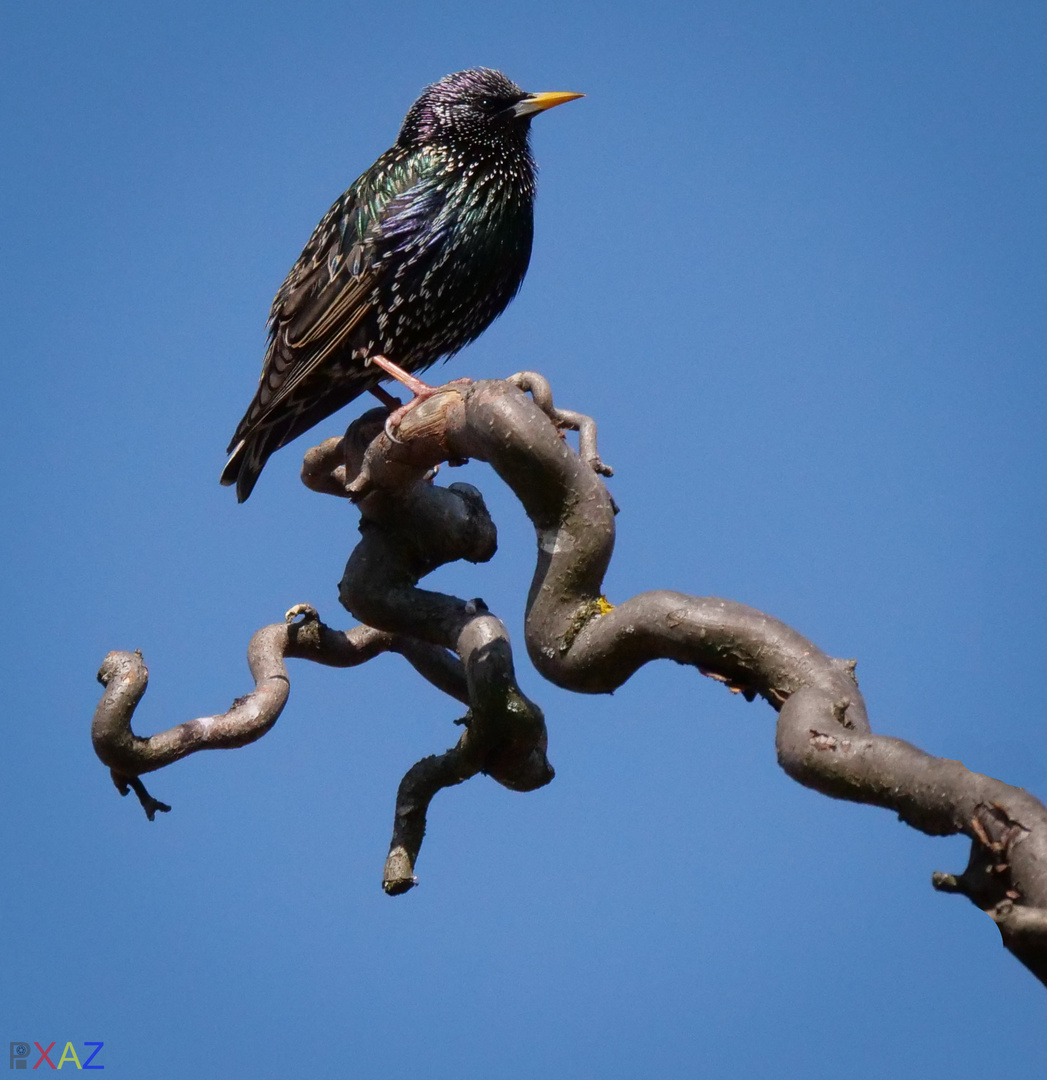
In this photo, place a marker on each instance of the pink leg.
(416, 386)
(421, 390)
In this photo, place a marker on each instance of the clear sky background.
(793, 258)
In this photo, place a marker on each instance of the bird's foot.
(422, 392)
(425, 391)
(396, 417)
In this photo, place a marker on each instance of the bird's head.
(475, 107)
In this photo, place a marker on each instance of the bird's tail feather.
(260, 442)
(245, 465)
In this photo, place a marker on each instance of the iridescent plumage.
(414, 261)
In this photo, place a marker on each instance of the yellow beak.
(536, 103)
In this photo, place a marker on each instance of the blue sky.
(792, 258)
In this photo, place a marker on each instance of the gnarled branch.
(125, 678)
(581, 642)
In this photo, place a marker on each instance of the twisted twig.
(125, 677)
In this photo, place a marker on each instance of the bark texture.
(577, 640)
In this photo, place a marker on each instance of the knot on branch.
(988, 879)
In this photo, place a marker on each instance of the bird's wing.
(330, 289)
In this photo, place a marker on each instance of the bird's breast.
(459, 273)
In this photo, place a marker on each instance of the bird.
(415, 260)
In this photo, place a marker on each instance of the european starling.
(414, 261)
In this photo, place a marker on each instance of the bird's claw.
(389, 427)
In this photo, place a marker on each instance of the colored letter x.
(43, 1055)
